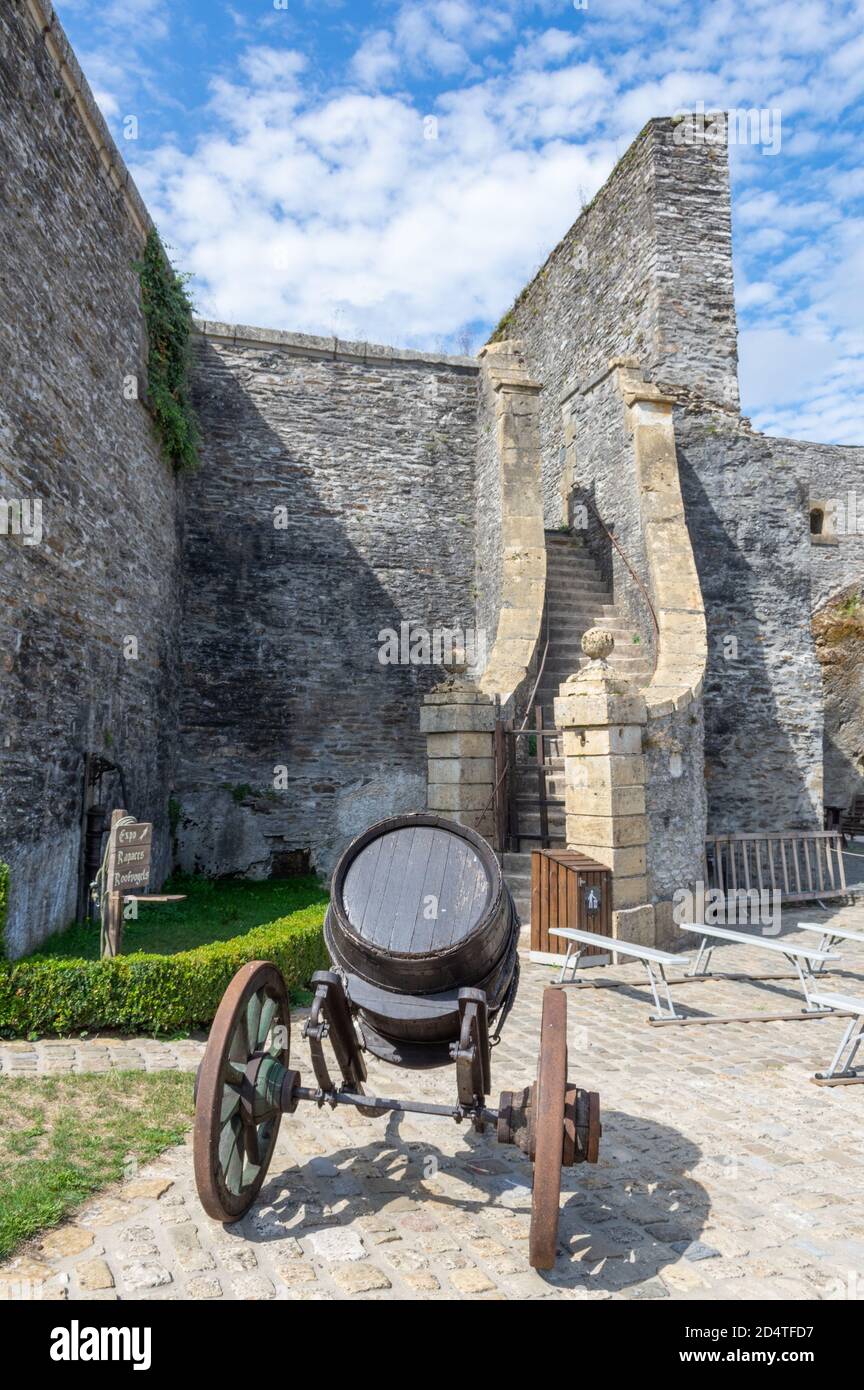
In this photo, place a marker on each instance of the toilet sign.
(129, 857)
(592, 900)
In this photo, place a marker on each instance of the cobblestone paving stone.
(724, 1172)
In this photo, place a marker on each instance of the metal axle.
(409, 1107)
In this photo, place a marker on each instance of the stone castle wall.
(746, 500)
(370, 452)
(107, 565)
(257, 699)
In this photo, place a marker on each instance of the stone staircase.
(576, 599)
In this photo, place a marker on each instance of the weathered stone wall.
(600, 466)
(836, 486)
(646, 270)
(106, 567)
(836, 483)
(838, 629)
(746, 500)
(371, 454)
(489, 504)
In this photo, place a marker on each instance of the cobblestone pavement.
(724, 1173)
(49, 1056)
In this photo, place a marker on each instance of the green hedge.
(143, 993)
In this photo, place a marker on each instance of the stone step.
(565, 597)
(572, 650)
(567, 661)
(570, 626)
(570, 574)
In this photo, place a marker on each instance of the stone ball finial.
(597, 643)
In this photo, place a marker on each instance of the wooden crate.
(560, 881)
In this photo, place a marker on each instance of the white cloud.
(780, 366)
(308, 196)
(376, 60)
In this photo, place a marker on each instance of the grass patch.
(215, 910)
(63, 1138)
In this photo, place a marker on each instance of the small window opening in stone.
(817, 521)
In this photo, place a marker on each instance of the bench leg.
(703, 958)
(849, 1045)
(571, 948)
(805, 975)
(663, 1011)
(827, 943)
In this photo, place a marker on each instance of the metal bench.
(802, 958)
(841, 1072)
(649, 956)
(830, 937)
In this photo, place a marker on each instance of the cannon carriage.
(422, 936)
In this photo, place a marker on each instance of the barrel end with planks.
(422, 935)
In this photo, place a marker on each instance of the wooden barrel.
(418, 910)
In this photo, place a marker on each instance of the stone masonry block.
(444, 719)
(628, 890)
(619, 738)
(449, 796)
(462, 770)
(459, 745)
(609, 801)
(634, 924)
(578, 710)
(627, 862)
(618, 832)
(605, 771)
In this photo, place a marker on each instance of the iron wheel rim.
(231, 1153)
(548, 1130)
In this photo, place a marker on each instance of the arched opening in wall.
(823, 521)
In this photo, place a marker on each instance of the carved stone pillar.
(458, 720)
(602, 717)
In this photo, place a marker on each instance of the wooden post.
(112, 924)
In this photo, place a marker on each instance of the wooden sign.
(129, 857)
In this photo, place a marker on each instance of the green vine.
(168, 315)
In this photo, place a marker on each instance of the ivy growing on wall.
(168, 315)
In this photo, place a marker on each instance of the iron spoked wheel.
(548, 1104)
(235, 1129)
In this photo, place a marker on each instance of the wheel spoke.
(230, 1102)
(250, 1143)
(268, 1013)
(253, 1016)
(229, 1155)
(239, 1049)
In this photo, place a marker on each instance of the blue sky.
(283, 147)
